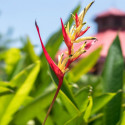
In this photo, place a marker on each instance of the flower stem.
(57, 91)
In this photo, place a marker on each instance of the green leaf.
(100, 101)
(29, 49)
(41, 117)
(58, 108)
(71, 108)
(5, 84)
(18, 67)
(4, 102)
(5, 89)
(11, 58)
(123, 119)
(113, 81)
(2, 55)
(88, 109)
(20, 78)
(82, 98)
(77, 120)
(84, 65)
(20, 95)
(34, 108)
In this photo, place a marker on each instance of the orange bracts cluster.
(70, 37)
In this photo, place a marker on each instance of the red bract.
(52, 64)
(77, 20)
(83, 32)
(88, 45)
(66, 38)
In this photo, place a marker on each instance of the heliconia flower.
(55, 68)
(66, 38)
(70, 37)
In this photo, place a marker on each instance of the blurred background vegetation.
(27, 85)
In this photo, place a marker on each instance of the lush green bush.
(27, 87)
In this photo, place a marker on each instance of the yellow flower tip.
(84, 44)
(93, 1)
(84, 23)
(94, 38)
(71, 30)
(82, 14)
(66, 52)
(83, 51)
(63, 64)
(60, 57)
(66, 70)
(67, 29)
(83, 39)
(89, 5)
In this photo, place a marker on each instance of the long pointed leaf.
(113, 81)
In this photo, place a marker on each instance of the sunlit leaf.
(20, 78)
(20, 95)
(123, 119)
(88, 109)
(11, 58)
(29, 49)
(4, 89)
(18, 67)
(34, 108)
(4, 102)
(71, 108)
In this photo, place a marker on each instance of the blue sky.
(21, 15)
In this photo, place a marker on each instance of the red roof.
(112, 11)
(105, 39)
